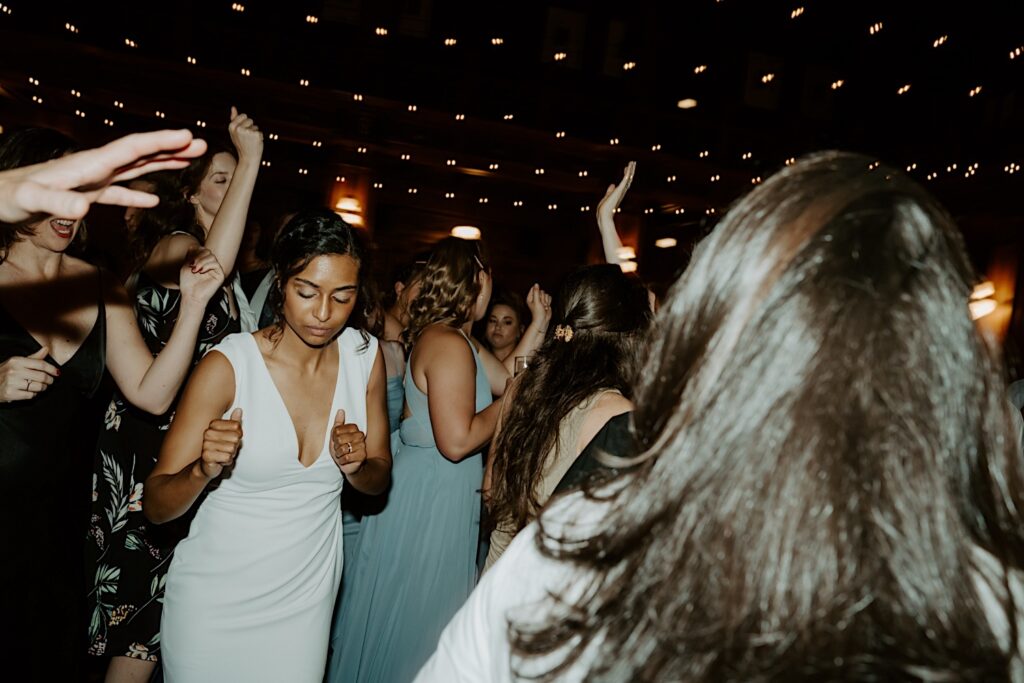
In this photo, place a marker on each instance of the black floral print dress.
(127, 558)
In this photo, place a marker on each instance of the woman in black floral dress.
(127, 560)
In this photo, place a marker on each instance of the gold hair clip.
(563, 332)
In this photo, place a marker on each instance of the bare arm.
(606, 215)
(147, 382)
(446, 364)
(506, 400)
(499, 372)
(367, 465)
(225, 234)
(180, 474)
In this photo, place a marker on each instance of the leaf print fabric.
(128, 557)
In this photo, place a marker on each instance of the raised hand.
(68, 186)
(616, 193)
(348, 445)
(245, 136)
(23, 377)
(539, 303)
(200, 277)
(221, 441)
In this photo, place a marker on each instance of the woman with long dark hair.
(504, 324)
(204, 204)
(580, 378)
(251, 590)
(63, 322)
(830, 486)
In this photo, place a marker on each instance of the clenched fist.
(348, 445)
(221, 441)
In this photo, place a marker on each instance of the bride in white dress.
(281, 418)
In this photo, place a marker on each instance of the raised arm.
(499, 372)
(446, 364)
(365, 458)
(152, 383)
(68, 186)
(199, 444)
(225, 231)
(606, 215)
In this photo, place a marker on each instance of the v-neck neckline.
(49, 356)
(284, 405)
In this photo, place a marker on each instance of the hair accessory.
(563, 332)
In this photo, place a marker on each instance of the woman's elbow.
(153, 406)
(455, 452)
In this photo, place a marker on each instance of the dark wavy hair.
(24, 148)
(610, 317)
(309, 234)
(175, 212)
(826, 446)
(450, 287)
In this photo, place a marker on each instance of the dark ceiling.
(385, 93)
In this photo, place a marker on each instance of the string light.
(790, 161)
(655, 148)
(191, 60)
(552, 207)
(903, 90)
(747, 155)
(559, 56)
(700, 69)
(688, 103)
(303, 171)
(412, 107)
(130, 43)
(974, 91)
(796, 13)
(460, 117)
(665, 242)
(450, 162)
(517, 203)
(709, 211)
(449, 195)
(755, 180)
(950, 168)
(75, 93)
(836, 85)
(584, 209)
(912, 167)
(680, 211)
(238, 7)
(704, 155)
(1011, 168)
(119, 105)
(628, 266)
(201, 124)
(873, 165)
(71, 27)
(875, 28)
(273, 136)
(311, 19)
(670, 179)
(378, 186)
(6, 10)
(508, 117)
(648, 211)
(303, 82)
(381, 31)
(246, 72)
(357, 97)
(339, 178)
(413, 190)
(482, 200)
(1016, 53)
(715, 178)
(629, 66)
(80, 113)
(932, 176)
(560, 134)
(406, 157)
(33, 81)
(768, 78)
(450, 42)
(360, 150)
(941, 40)
(583, 174)
(265, 162)
(493, 167)
(613, 141)
(538, 171)
(37, 99)
(108, 122)
(317, 143)
(497, 41)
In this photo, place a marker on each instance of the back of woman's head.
(24, 148)
(600, 320)
(173, 214)
(827, 445)
(450, 285)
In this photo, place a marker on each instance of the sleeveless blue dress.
(416, 561)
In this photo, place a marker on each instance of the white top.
(474, 646)
(251, 590)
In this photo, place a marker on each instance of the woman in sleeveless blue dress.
(416, 560)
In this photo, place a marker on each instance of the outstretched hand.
(68, 186)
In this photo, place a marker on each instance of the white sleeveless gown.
(251, 590)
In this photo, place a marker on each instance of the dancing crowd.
(801, 463)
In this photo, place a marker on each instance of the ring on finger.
(28, 385)
(350, 448)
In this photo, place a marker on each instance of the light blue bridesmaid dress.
(416, 560)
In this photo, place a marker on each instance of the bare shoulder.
(610, 404)
(441, 340)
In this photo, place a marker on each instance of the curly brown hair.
(451, 284)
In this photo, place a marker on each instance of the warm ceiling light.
(983, 290)
(628, 266)
(625, 253)
(559, 56)
(688, 103)
(466, 232)
(666, 242)
(450, 42)
(700, 69)
(979, 309)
